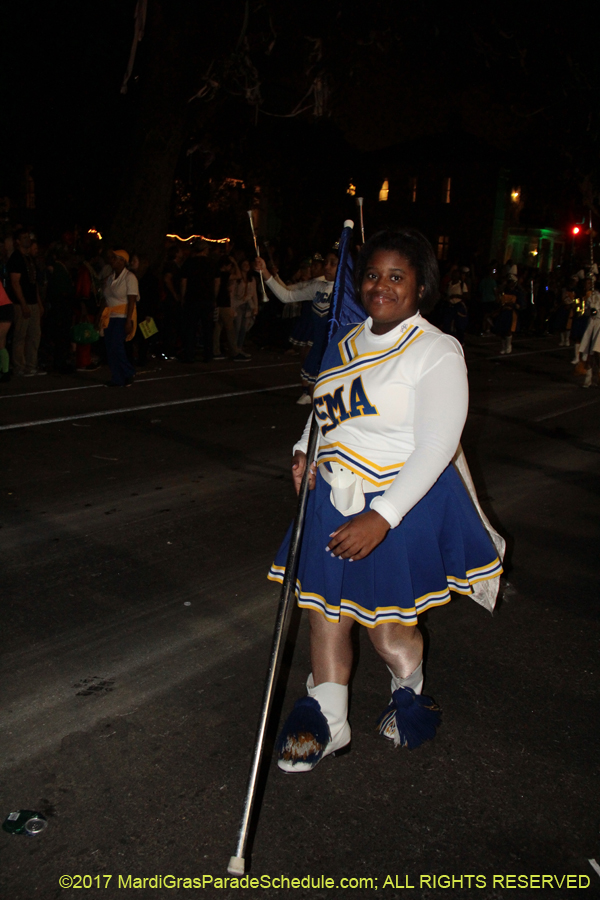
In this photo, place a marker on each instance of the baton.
(237, 863)
(359, 200)
(265, 299)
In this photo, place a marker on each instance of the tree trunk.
(143, 205)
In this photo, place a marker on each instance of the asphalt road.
(136, 530)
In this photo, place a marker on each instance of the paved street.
(137, 527)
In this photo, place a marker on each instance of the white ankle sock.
(414, 680)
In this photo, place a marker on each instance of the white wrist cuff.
(385, 509)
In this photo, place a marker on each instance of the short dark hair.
(415, 247)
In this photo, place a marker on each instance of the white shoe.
(317, 727)
(304, 400)
(588, 379)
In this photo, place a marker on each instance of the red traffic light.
(575, 229)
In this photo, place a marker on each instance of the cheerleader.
(390, 528)
(318, 291)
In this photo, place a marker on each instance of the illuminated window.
(442, 246)
(351, 189)
(385, 189)
(412, 183)
(447, 184)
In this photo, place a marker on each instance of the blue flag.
(345, 308)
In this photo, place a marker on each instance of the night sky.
(526, 89)
(62, 65)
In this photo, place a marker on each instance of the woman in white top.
(318, 291)
(119, 318)
(390, 529)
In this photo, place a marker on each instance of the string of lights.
(198, 237)
(184, 240)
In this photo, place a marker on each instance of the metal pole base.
(237, 865)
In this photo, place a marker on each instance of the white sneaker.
(304, 400)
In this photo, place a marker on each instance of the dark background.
(516, 89)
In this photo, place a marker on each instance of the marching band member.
(390, 529)
(318, 292)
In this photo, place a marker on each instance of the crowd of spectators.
(77, 305)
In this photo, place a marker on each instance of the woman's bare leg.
(399, 646)
(330, 649)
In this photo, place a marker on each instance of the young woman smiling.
(390, 529)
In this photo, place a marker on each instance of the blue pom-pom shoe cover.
(410, 719)
(316, 727)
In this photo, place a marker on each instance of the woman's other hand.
(260, 265)
(298, 467)
(359, 537)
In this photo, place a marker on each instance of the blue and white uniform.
(391, 410)
(318, 292)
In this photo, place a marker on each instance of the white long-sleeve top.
(391, 410)
(119, 288)
(318, 290)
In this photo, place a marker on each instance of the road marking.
(140, 380)
(514, 355)
(127, 409)
(564, 412)
(82, 387)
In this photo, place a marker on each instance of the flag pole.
(260, 274)
(343, 284)
(237, 863)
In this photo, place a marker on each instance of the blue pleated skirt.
(440, 546)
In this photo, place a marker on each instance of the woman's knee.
(388, 637)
